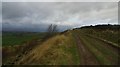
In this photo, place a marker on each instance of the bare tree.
(51, 30)
(55, 29)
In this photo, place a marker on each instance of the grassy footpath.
(103, 54)
(58, 50)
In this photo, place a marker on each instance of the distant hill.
(115, 27)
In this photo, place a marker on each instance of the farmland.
(19, 38)
(16, 43)
(80, 46)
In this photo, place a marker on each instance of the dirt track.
(87, 57)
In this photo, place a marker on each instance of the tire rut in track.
(86, 57)
(107, 45)
(114, 49)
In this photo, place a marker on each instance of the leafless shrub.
(51, 30)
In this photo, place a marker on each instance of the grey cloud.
(38, 15)
(0, 17)
(60, 0)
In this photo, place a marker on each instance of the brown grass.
(53, 51)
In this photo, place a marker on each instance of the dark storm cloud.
(38, 15)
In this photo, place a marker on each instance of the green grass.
(73, 49)
(0, 40)
(110, 35)
(64, 52)
(11, 39)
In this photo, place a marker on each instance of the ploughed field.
(81, 46)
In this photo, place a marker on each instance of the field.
(16, 43)
(19, 38)
(81, 46)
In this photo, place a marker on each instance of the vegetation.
(17, 43)
(102, 52)
(107, 32)
(72, 47)
(17, 38)
(51, 31)
(0, 40)
(57, 50)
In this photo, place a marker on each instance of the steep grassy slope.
(59, 50)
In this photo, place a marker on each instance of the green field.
(13, 38)
(16, 43)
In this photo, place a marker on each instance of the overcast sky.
(60, 0)
(36, 16)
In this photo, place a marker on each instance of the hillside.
(91, 45)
